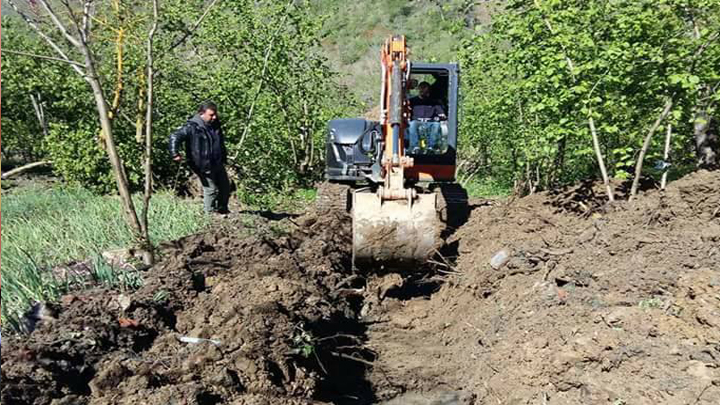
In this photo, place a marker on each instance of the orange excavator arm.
(394, 118)
(394, 225)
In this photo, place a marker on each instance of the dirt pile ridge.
(596, 305)
(619, 305)
(262, 302)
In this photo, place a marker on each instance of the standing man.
(205, 153)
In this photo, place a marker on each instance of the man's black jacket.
(426, 108)
(204, 144)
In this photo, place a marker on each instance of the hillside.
(353, 32)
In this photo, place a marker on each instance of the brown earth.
(596, 304)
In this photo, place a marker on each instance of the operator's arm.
(439, 111)
(178, 138)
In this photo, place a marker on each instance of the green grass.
(487, 188)
(282, 201)
(46, 227)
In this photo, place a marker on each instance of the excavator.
(398, 190)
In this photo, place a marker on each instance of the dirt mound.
(258, 311)
(594, 304)
(618, 306)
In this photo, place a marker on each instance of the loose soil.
(597, 304)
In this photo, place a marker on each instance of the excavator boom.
(393, 224)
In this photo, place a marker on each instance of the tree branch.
(260, 85)
(50, 42)
(86, 20)
(569, 61)
(22, 169)
(74, 19)
(193, 28)
(646, 144)
(32, 55)
(59, 24)
(40, 112)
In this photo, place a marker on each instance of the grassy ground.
(46, 227)
(487, 188)
(287, 201)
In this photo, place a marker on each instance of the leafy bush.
(260, 61)
(534, 80)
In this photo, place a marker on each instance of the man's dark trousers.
(216, 190)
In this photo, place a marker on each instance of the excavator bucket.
(394, 234)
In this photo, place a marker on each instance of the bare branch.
(32, 55)
(569, 61)
(258, 91)
(73, 17)
(22, 169)
(86, 20)
(49, 40)
(128, 119)
(646, 144)
(79, 25)
(59, 24)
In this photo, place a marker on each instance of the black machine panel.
(351, 148)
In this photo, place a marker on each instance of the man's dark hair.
(206, 105)
(424, 84)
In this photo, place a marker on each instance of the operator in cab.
(426, 116)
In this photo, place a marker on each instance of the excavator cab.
(352, 143)
(435, 159)
(396, 215)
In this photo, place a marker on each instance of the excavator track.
(333, 198)
(452, 205)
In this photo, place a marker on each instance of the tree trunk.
(148, 257)
(600, 159)
(646, 145)
(707, 144)
(558, 168)
(117, 166)
(666, 156)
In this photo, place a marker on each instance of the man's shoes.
(219, 213)
(225, 213)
